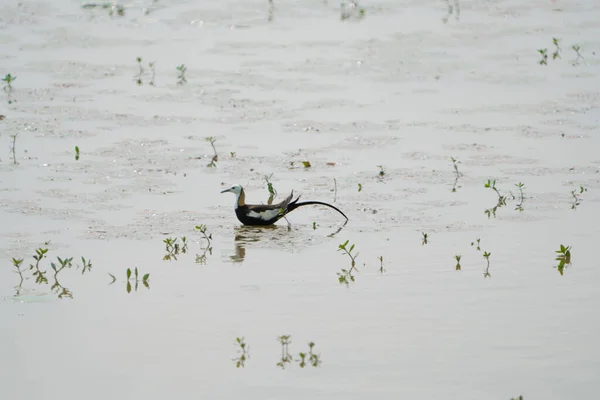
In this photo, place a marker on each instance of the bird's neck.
(241, 199)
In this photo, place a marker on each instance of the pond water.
(404, 111)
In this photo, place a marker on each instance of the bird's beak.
(226, 190)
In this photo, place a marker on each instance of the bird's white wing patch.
(264, 215)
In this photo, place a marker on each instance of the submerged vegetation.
(345, 276)
(8, 80)
(304, 358)
(563, 257)
(215, 157)
(457, 173)
(576, 194)
(39, 273)
(243, 353)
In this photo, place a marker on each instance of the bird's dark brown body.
(268, 214)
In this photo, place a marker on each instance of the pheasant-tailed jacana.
(267, 214)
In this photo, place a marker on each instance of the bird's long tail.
(293, 205)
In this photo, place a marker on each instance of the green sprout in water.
(306, 164)
(86, 265)
(563, 258)
(501, 199)
(76, 153)
(151, 65)
(381, 269)
(345, 276)
(478, 243)
(457, 258)
(360, 187)
(17, 264)
(8, 80)
(425, 239)
(520, 186)
(40, 276)
(286, 357)
(173, 248)
(313, 358)
(13, 148)
(487, 274)
(576, 194)
(544, 54)
(314, 226)
(577, 49)
(557, 49)
(270, 188)
(57, 287)
(201, 258)
(243, 353)
(215, 157)
(181, 78)
(457, 174)
(138, 77)
(135, 279)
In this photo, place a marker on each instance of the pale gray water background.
(399, 88)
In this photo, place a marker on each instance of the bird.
(267, 214)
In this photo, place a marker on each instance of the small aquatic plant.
(181, 78)
(557, 49)
(457, 173)
(135, 279)
(40, 276)
(478, 243)
(8, 80)
(215, 157)
(576, 48)
(314, 359)
(306, 164)
(577, 195)
(360, 187)
(563, 258)
(270, 188)
(520, 186)
(381, 269)
(13, 147)
(314, 226)
(345, 276)
(544, 55)
(76, 153)
(457, 258)
(151, 66)
(243, 353)
(173, 248)
(286, 357)
(138, 77)
(487, 274)
(201, 258)
(57, 288)
(425, 239)
(501, 199)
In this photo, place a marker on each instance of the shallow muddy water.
(407, 87)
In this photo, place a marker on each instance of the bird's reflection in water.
(281, 236)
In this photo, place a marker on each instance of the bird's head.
(236, 189)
